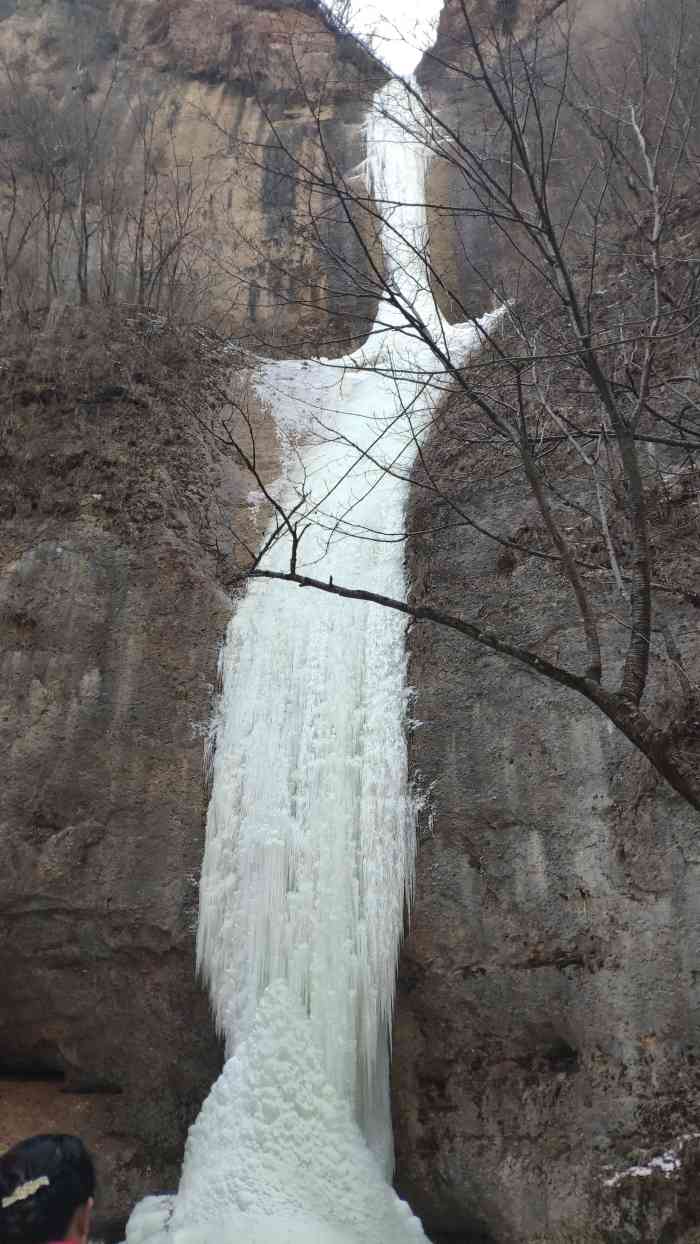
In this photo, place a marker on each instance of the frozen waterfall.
(308, 866)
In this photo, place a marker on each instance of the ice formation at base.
(272, 1122)
(310, 836)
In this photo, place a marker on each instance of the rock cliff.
(545, 1075)
(111, 616)
(467, 253)
(225, 110)
(546, 1035)
(112, 500)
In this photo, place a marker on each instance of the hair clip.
(24, 1191)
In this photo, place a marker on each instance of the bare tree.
(96, 201)
(35, 160)
(54, 158)
(578, 164)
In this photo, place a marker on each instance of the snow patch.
(666, 1163)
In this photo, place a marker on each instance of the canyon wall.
(114, 502)
(225, 112)
(466, 249)
(547, 1025)
(546, 1037)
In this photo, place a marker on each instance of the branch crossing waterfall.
(309, 858)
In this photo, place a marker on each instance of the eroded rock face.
(547, 1026)
(466, 250)
(111, 610)
(111, 619)
(470, 249)
(248, 101)
(108, 659)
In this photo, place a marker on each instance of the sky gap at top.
(398, 31)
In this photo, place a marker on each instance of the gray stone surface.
(107, 664)
(111, 617)
(547, 1026)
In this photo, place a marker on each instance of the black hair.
(44, 1214)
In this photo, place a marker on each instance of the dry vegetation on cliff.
(127, 136)
(110, 416)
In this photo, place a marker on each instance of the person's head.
(47, 1184)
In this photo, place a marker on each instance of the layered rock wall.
(113, 501)
(548, 1020)
(547, 1025)
(240, 105)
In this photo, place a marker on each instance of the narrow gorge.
(425, 920)
(309, 859)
